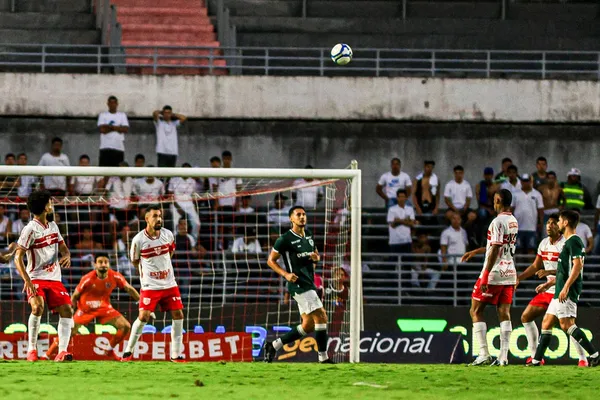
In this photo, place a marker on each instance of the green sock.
(296, 333)
(543, 344)
(580, 337)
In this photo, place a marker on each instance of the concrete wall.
(327, 144)
(305, 98)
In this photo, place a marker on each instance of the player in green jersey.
(569, 282)
(299, 253)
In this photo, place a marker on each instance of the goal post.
(257, 181)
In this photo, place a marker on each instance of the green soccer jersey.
(294, 250)
(572, 249)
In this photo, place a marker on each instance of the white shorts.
(568, 309)
(308, 302)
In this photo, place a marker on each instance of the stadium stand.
(169, 24)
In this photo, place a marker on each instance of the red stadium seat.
(169, 23)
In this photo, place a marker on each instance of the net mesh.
(224, 230)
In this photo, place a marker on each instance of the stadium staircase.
(168, 23)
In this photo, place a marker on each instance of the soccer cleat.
(530, 359)
(127, 356)
(498, 363)
(328, 361)
(64, 356)
(179, 359)
(481, 361)
(594, 361)
(583, 363)
(269, 352)
(532, 364)
(44, 357)
(32, 356)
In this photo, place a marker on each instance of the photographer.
(166, 123)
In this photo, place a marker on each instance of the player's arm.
(575, 272)
(65, 259)
(9, 254)
(20, 265)
(75, 298)
(495, 250)
(132, 292)
(470, 254)
(272, 263)
(532, 269)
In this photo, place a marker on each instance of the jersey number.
(510, 248)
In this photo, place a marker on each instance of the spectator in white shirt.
(585, 233)
(401, 218)
(247, 242)
(183, 206)
(84, 185)
(453, 242)
(166, 123)
(119, 191)
(211, 185)
(528, 206)
(390, 182)
(148, 191)
(20, 223)
(26, 182)
(56, 185)
(458, 193)
(245, 207)
(309, 194)
(512, 181)
(112, 125)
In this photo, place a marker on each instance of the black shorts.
(111, 157)
(167, 160)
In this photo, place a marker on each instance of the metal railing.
(302, 61)
(388, 279)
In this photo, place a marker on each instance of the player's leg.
(319, 317)
(566, 317)
(547, 324)
(177, 335)
(53, 348)
(33, 326)
(478, 303)
(528, 318)
(65, 327)
(297, 332)
(503, 311)
(123, 329)
(136, 331)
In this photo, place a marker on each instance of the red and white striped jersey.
(549, 253)
(502, 231)
(41, 243)
(154, 253)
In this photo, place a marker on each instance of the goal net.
(225, 223)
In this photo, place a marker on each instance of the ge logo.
(146, 301)
(310, 241)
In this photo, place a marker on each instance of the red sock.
(117, 338)
(53, 349)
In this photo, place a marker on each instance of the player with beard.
(41, 240)
(297, 247)
(151, 252)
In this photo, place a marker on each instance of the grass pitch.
(154, 380)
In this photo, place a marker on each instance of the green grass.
(154, 380)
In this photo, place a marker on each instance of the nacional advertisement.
(401, 334)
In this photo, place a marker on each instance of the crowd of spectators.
(413, 211)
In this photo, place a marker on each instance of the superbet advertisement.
(401, 334)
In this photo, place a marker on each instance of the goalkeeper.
(297, 247)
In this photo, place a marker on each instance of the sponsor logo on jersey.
(305, 254)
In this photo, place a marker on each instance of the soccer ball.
(341, 54)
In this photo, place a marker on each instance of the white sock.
(278, 344)
(505, 331)
(176, 338)
(323, 356)
(33, 329)
(533, 334)
(480, 332)
(134, 336)
(580, 350)
(65, 325)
